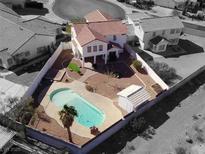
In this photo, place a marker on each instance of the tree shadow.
(155, 116)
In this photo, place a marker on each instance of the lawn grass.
(74, 67)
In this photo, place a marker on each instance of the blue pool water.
(88, 115)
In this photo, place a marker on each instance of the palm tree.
(67, 115)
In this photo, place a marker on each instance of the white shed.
(132, 97)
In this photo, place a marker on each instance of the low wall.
(194, 32)
(44, 70)
(194, 29)
(152, 74)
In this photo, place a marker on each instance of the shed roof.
(135, 94)
(129, 90)
(5, 136)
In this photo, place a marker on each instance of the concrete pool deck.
(112, 113)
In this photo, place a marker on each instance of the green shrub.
(74, 67)
(138, 124)
(137, 64)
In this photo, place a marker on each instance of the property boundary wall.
(62, 145)
(152, 74)
(47, 66)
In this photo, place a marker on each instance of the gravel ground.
(67, 9)
(170, 118)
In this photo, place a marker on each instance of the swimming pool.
(88, 114)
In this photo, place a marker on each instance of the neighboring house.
(170, 3)
(8, 13)
(100, 36)
(11, 3)
(157, 33)
(133, 98)
(135, 17)
(23, 40)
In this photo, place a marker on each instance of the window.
(27, 53)
(89, 49)
(100, 47)
(10, 61)
(95, 48)
(163, 32)
(172, 31)
(114, 38)
(178, 31)
(161, 47)
(154, 34)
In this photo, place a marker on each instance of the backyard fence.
(151, 73)
(61, 144)
(47, 66)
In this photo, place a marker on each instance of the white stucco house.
(132, 98)
(23, 40)
(156, 33)
(100, 36)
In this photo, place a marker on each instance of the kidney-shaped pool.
(88, 114)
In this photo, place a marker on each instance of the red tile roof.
(109, 27)
(86, 35)
(90, 31)
(97, 15)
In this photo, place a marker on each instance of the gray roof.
(7, 9)
(5, 136)
(161, 23)
(137, 16)
(12, 35)
(41, 25)
(8, 13)
(16, 31)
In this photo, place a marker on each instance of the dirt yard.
(171, 119)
